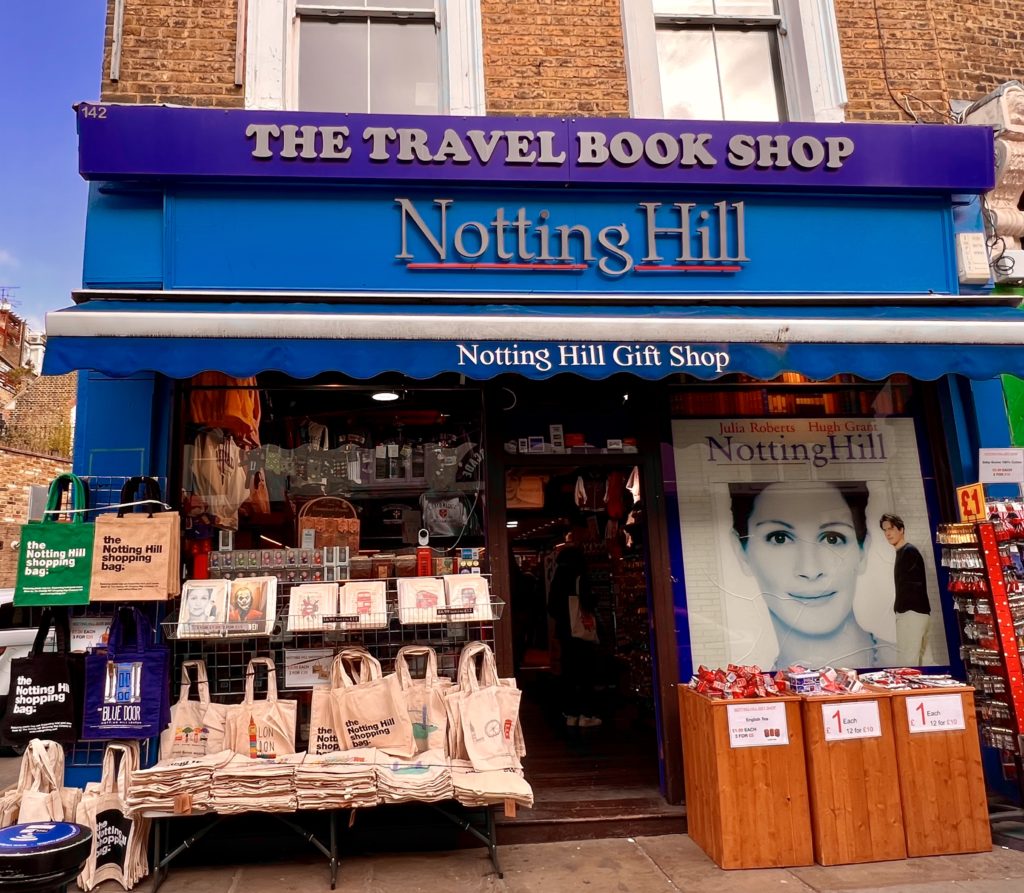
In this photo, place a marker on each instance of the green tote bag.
(55, 559)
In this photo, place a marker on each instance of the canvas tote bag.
(261, 729)
(119, 840)
(44, 700)
(137, 553)
(323, 735)
(424, 698)
(483, 714)
(197, 727)
(55, 557)
(126, 691)
(371, 712)
(40, 795)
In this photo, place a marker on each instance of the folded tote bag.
(44, 699)
(55, 557)
(126, 691)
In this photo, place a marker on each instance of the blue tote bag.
(126, 693)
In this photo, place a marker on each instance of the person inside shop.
(913, 612)
(805, 543)
(571, 604)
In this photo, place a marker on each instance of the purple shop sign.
(125, 141)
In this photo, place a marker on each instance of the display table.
(942, 785)
(746, 782)
(856, 815)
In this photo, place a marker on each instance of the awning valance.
(180, 339)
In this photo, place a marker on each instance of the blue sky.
(51, 56)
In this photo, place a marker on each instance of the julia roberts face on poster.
(806, 546)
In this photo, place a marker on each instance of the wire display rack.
(227, 657)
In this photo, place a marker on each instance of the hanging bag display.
(126, 692)
(137, 554)
(483, 714)
(424, 698)
(44, 700)
(119, 840)
(261, 729)
(197, 727)
(55, 557)
(371, 712)
(323, 735)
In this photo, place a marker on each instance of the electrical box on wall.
(972, 259)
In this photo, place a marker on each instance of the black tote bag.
(44, 699)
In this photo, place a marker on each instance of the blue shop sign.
(585, 245)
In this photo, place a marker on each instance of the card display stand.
(942, 785)
(747, 806)
(856, 815)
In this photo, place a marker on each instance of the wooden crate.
(855, 796)
(942, 785)
(746, 807)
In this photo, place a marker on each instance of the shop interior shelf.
(570, 460)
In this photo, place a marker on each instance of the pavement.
(668, 864)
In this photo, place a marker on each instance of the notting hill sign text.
(676, 237)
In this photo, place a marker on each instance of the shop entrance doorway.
(588, 708)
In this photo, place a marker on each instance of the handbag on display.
(119, 839)
(137, 553)
(371, 711)
(265, 728)
(40, 795)
(55, 557)
(323, 735)
(197, 727)
(45, 695)
(424, 698)
(126, 691)
(483, 714)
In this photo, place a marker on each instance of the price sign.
(758, 725)
(1002, 466)
(857, 719)
(935, 713)
(970, 501)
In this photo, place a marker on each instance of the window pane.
(393, 4)
(403, 68)
(689, 82)
(745, 7)
(684, 7)
(749, 91)
(332, 65)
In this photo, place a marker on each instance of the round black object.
(42, 856)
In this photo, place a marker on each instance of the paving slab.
(998, 865)
(690, 869)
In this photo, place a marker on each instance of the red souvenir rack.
(986, 579)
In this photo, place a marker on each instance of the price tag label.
(935, 713)
(857, 719)
(970, 502)
(758, 725)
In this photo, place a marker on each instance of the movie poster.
(807, 541)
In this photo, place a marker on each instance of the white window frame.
(812, 68)
(272, 52)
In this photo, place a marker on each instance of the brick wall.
(18, 472)
(554, 57)
(175, 51)
(927, 52)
